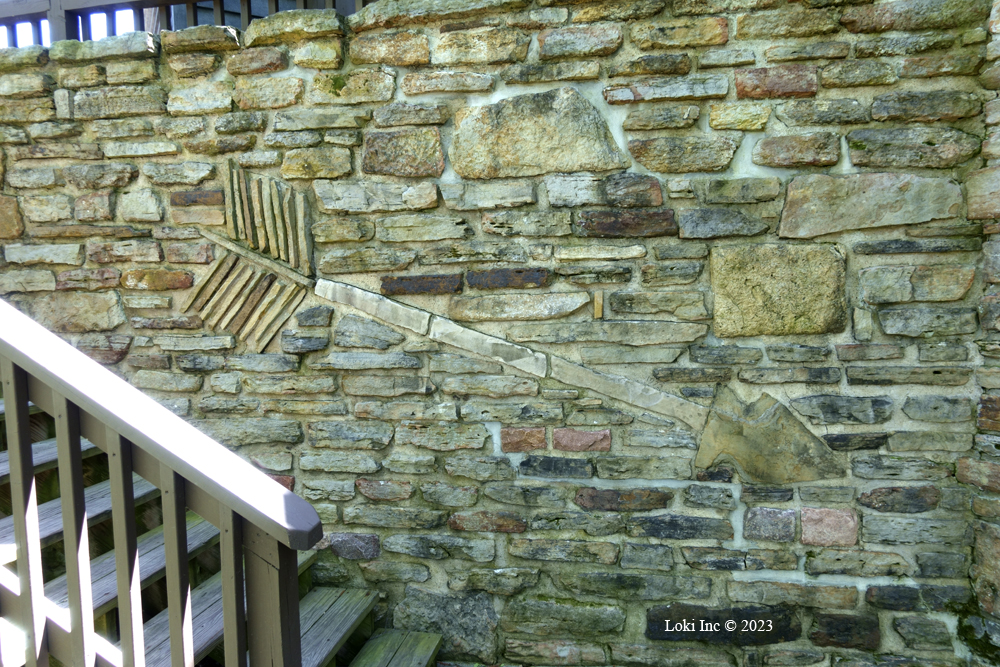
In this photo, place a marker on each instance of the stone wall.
(571, 319)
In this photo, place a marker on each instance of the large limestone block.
(118, 101)
(766, 441)
(76, 312)
(672, 155)
(778, 290)
(129, 45)
(390, 13)
(503, 307)
(204, 98)
(983, 188)
(200, 38)
(294, 25)
(818, 204)
(528, 135)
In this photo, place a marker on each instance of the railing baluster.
(75, 537)
(233, 590)
(192, 14)
(219, 12)
(126, 552)
(272, 600)
(24, 503)
(85, 27)
(244, 14)
(178, 582)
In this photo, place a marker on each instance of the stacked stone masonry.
(573, 319)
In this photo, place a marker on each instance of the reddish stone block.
(11, 226)
(522, 439)
(488, 522)
(572, 440)
(776, 82)
(629, 500)
(189, 253)
(383, 489)
(105, 348)
(989, 412)
(625, 224)
(88, 279)
(509, 278)
(287, 481)
(986, 583)
(829, 527)
(438, 284)
(257, 61)
(157, 279)
(198, 198)
(983, 474)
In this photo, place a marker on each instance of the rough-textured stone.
(916, 147)
(546, 616)
(679, 33)
(684, 154)
(925, 322)
(599, 39)
(814, 202)
(914, 15)
(564, 130)
(846, 631)
(672, 116)
(781, 81)
(467, 623)
(844, 409)
(801, 290)
(294, 25)
(409, 152)
(375, 84)
(807, 150)
(925, 107)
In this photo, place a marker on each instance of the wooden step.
(98, 502)
(207, 623)
(45, 455)
(152, 564)
(398, 648)
(328, 617)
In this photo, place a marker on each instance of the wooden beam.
(219, 12)
(192, 14)
(244, 14)
(127, 574)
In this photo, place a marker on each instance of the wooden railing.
(70, 19)
(261, 523)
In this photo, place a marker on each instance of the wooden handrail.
(156, 432)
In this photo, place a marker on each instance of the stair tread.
(50, 524)
(327, 621)
(206, 621)
(152, 564)
(398, 648)
(44, 454)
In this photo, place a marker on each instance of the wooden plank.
(419, 649)
(270, 226)
(236, 326)
(151, 565)
(379, 650)
(76, 541)
(280, 229)
(227, 177)
(305, 238)
(244, 14)
(218, 12)
(45, 456)
(24, 524)
(208, 619)
(98, 503)
(201, 294)
(314, 605)
(264, 339)
(215, 473)
(234, 617)
(127, 566)
(179, 609)
(260, 260)
(291, 229)
(263, 242)
(321, 642)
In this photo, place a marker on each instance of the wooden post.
(76, 542)
(244, 14)
(233, 589)
(219, 12)
(272, 7)
(126, 552)
(58, 22)
(272, 600)
(192, 14)
(178, 583)
(24, 504)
